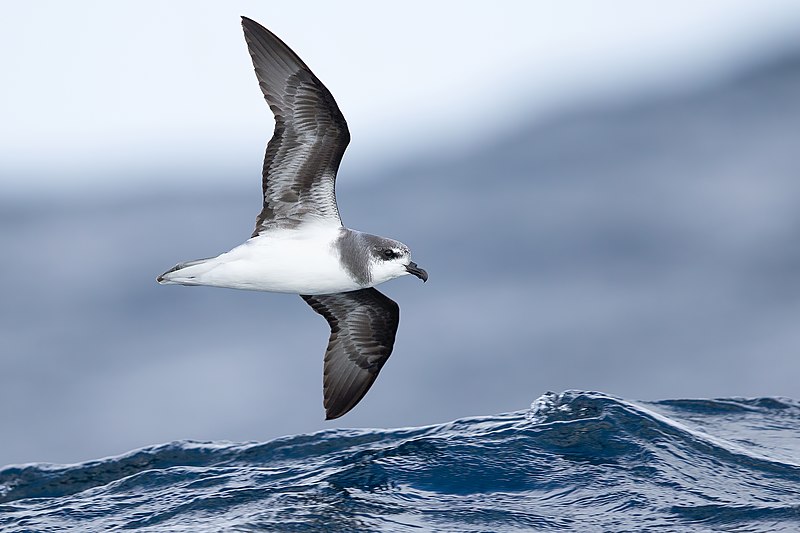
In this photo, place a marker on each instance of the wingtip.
(330, 414)
(249, 23)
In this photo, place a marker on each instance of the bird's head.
(391, 259)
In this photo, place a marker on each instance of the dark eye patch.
(389, 254)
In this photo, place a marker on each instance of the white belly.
(289, 261)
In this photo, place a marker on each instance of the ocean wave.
(575, 461)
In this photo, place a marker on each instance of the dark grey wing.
(363, 326)
(310, 136)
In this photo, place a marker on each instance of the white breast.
(296, 261)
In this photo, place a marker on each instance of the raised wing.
(363, 327)
(309, 140)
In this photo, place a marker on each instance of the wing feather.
(363, 327)
(310, 137)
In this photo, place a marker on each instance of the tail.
(183, 273)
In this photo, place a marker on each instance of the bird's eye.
(389, 254)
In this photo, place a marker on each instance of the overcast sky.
(162, 87)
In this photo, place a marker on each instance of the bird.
(300, 244)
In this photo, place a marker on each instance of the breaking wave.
(576, 461)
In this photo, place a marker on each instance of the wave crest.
(574, 461)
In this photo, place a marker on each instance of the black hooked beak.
(412, 268)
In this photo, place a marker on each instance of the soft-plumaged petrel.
(300, 245)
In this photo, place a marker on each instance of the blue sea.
(575, 461)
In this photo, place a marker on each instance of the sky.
(647, 251)
(94, 90)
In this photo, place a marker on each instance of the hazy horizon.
(640, 243)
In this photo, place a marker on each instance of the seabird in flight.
(299, 244)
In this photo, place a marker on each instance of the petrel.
(300, 245)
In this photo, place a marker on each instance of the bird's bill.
(412, 268)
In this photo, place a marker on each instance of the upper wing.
(363, 326)
(309, 139)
